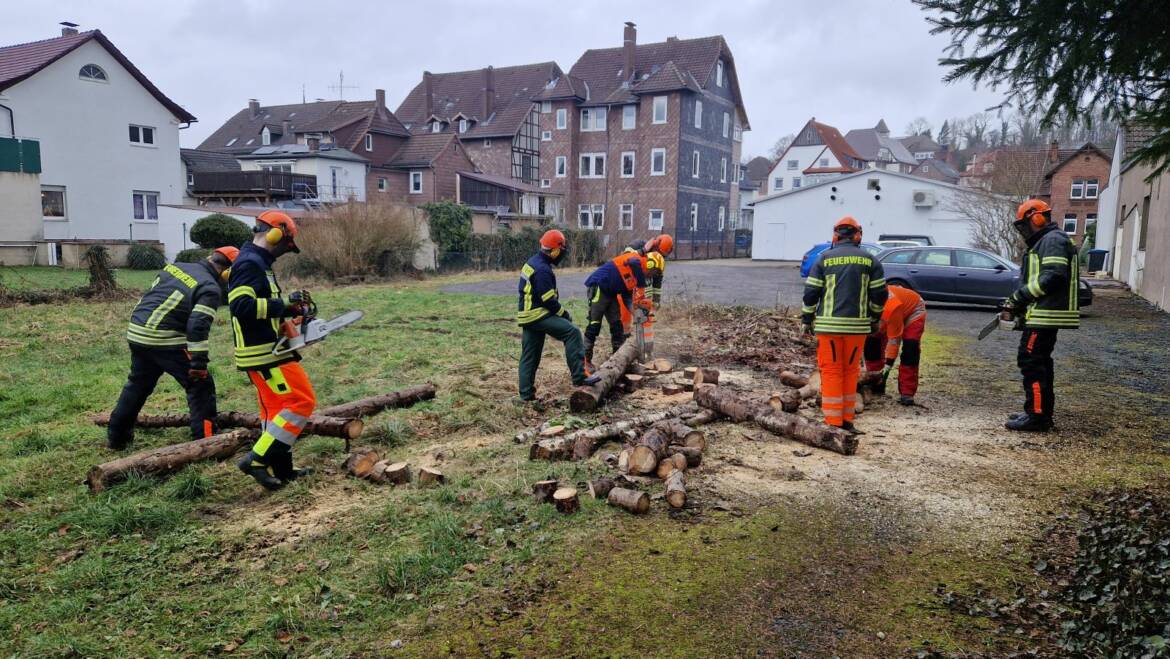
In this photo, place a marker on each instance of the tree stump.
(706, 376)
(361, 462)
(676, 491)
(663, 365)
(428, 475)
(396, 473)
(629, 500)
(543, 491)
(599, 488)
(566, 500)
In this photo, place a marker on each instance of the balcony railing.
(269, 184)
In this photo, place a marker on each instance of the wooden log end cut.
(676, 492)
(396, 473)
(672, 389)
(543, 491)
(361, 462)
(566, 501)
(631, 501)
(428, 475)
(599, 488)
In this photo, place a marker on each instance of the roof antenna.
(341, 86)
(302, 93)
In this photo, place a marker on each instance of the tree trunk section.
(663, 365)
(790, 379)
(542, 491)
(633, 380)
(581, 444)
(629, 500)
(360, 463)
(649, 451)
(427, 475)
(319, 424)
(781, 423)
(169, 459)
(706, 376)
(672, 389)
(397, 473)
(693, 455)
(672, 462)
(599, 488)
(689, 372)
(681, 433)
(566, 500)
(586, 399)
(374, 404)
(676, 491)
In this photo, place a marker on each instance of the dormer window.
(719, 73)
(93, 72)
(266, 136)
(462, 125)
(436, 126)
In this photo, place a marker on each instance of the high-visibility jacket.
(653, 267)
(845, 291)
(538, 291)
(903, 306)
(619, 276)
(256, 306)
(1049, 278)
(178, 310)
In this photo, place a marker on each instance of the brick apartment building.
(646, 138)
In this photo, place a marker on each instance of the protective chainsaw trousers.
(1035, 361)
(286, 401)
(532, 347)
(608, 308)
(147, 365)
(839, 360)
(911, 354)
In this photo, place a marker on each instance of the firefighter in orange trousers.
(615, 283)
(901, 328)
(844, 295)
(653, 254)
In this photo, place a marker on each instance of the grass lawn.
(25, 278)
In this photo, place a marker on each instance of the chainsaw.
(307, 329)
(1005, 320)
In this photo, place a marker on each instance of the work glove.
(886, 371)
(298, 303)
(806, 329)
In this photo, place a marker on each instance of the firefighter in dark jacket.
(168, 334)
(540, 314)
(615, 283)
(844, 295)
(1045, 303)
(282, 386)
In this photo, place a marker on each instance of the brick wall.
(494, 159)
(385, 146)
(439, 183)
(396, 185)
(1085, 165)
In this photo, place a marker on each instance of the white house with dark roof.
(818, 153)
(879, 150)
(109, 139)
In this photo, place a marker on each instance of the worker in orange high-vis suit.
(282, 386)
(901, 328)
(653, 254)
(844, 295)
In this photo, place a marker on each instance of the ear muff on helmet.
(226, 274)
(274, 236)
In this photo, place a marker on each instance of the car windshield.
(899, 256)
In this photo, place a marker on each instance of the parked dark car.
(810, 257)
(958, 274)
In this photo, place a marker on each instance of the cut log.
(566, 500)
(693, 455)
(581, 444)
(676, 491)
(530, 434)
(586, 399)
(542, 491)
(681, 433)
(672, 389)
(629, 500)
(790, 379)
(787, 400)
(396, 473)
(687, 385)
(623, 465)
(793, 426)
(670, 463)
(428, 475)
(689, 372)
(634, 380)
(663, 365)
(360, 463)
(552, 431)
(169, 459)
(378, 471)
(599, 488)
(706, 376)
(648, 452)
(319, 424)
(374, 404)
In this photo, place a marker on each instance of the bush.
(145, 257)
(450, 225)
(219, 230)
(508, 250)
(355, 240)
(193, 255)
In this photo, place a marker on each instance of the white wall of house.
(805, 156)
(1109, 202)
(83, 128)
(350, 175)
(788, 224)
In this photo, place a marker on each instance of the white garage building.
(884, 202)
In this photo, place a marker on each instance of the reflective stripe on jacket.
(178, 310)
(256, 306)
(845, 291)
(903, 306)
(1049, 278)
(538, 291)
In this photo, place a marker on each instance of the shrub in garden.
(145, 257)
(219, 230)
(193, 255)
(355, 240)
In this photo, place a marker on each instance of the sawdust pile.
(758, 338)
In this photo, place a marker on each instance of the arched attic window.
(92, 72)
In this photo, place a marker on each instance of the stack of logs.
(367, 464)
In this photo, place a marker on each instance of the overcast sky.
(846, 62)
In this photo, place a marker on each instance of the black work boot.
(252, 466)
(848, 426)
(115, 443)
(282, 468)
(591, 380)
(1029, 423)
(906, 400)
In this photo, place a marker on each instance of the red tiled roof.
(563, 87)
(22, 61)
(463, 91)
(832, 138)
(421, 150)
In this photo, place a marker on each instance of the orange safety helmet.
(282, 228)
(1037, 212)
(552, 239)
(229, 252)
(847, 228)
(662, 244)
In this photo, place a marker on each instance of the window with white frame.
(545, 183)
(93, 72)
(265, 136)
(726, 124)
(737, 133)
(719, 73)
(416, 183)
(698, 113)
(695, 168)
(545, 107)
(546, 136)
(145, 205)
(627, 164)
(629, 117)
(722, 217)
(655, 220)
(562, 166)
(53, 202)
(279, 167)
(592, 119)
(723, 170)
(795, 181)
(657, 162)
(369, 142)
(562, 118)
(145, 134)
(1091, 188)
(591, 216)
(626, 216)
(1070, 222)
(694, 217)
(1078, 189)
(738, 173)
(778, 183)
(463, 125)
(381, 184)
(659, 110)
(793, 164)
(592, 165)
(436, 126)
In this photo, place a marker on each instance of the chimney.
(629, 46)
(1054, 152)
(672, 39)
(68, 29)
(313, 143)
(379, 98)
(428, 93)
(489, 92)
(254, 107)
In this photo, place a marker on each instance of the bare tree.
(992, 207)
(920, 126)
(1028, 129)
(780, 146)
(976, 129)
